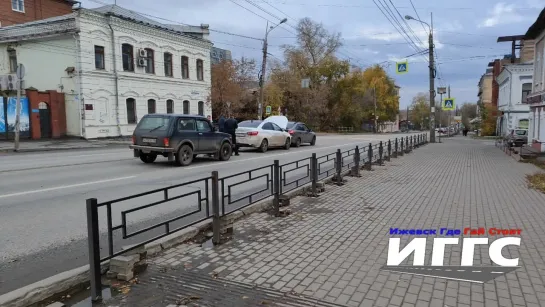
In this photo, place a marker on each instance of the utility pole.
(20, 76)
(262, 76)
(264, 68)
(432, 75)
(432, 87)
(375, 102)
(441, 91)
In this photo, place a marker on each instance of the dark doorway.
(45, 120)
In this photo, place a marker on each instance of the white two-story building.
(113, 66)
(515, 83)
(536, 99)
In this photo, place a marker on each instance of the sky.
(465, 32)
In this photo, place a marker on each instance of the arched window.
(201, 108)
(170, 106)
(128, 57)
(151, 106)
(150, 61)
(131, 111)
(186, 107)
(200, 70)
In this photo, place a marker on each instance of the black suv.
(178, 137)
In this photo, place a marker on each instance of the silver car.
(265, 134)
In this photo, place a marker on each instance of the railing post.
(370, 157)
(339, 166)
(380, 152)
(276, 187)
(389, 150)
(407, 145)
(401, 152)
(94, 249)
(356, 167)
(314, 174)
(216, 222)
(396, 148)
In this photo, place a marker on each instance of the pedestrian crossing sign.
(448, 104)
(402, 68)
(268, 110)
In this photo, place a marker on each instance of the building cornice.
(152, 78)
(137, 29)
(38, 30)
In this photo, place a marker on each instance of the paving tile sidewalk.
(330, 250)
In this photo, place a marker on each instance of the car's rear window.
(521, 132)
(290, 125)
(250, 123)
(154, 122)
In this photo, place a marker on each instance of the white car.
(270, 132)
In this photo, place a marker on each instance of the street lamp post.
(432, 78)
(264, 67)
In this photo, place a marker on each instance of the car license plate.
(146, 151)
(241, 134)
(148, 140)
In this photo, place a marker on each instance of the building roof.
(536, 28)
(510, 38)
(133, 16)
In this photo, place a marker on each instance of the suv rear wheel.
(148, 158)
(225, 151)
(185, 155)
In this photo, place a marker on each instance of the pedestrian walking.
(221, 124)
(231, 126)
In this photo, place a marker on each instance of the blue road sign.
(448, 104)
(402, 67)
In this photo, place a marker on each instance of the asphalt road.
(42, 198)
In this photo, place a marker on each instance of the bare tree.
(315, 41)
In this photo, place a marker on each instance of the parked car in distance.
(178, 137)
(517, 137)
(301, 134)
(264, 134)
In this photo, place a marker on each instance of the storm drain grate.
(191, 288)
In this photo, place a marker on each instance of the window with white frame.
(526, 90)
(18, 5)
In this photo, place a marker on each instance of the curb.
(46, 288)
(42, 149)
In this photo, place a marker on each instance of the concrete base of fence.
(284, 200)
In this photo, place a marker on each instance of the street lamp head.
(283, 20)
(408, 17)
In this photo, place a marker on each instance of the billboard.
(8, 114)
(3, 124)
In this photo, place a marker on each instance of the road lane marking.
(65, 187)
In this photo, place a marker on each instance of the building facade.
(218, 55)
(113, 66)
(536, 99)
(485, 88)
(515, 83)
(20, 11)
